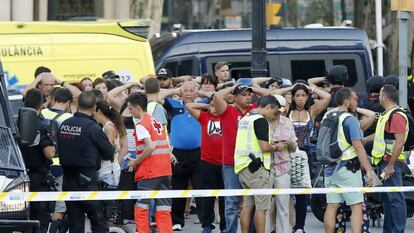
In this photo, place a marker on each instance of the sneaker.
(299, 231)
(177, 227)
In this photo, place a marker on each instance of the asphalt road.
(312, 226)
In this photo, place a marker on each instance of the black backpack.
(409, 143)
(327, 149)
(54, 129)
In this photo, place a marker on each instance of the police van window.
(304, 69)
(239, 69)
(352, 72)
(181, 67)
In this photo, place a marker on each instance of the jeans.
(395, 207)
(231, 181)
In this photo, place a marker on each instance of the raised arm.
(313, 82)
(323, 102)
(219, 99)
(32, 85)
(368, 118)
(195, 109)
(259, 80)
(164, 93)
(261, 91)
(74, 90)
(114, 96)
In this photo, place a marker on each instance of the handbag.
(299, 171)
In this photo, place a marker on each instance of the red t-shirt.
(229, 120)
(211, 138)
(397, 124)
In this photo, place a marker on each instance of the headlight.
(7, 208)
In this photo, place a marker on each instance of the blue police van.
(293, 53)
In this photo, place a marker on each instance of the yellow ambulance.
(74, 50)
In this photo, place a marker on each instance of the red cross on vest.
(157, 126)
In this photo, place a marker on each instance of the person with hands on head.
(45, 83)
(210, 162)
(388, 153)
(186, 149)
(152, 165)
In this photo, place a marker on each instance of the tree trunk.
(148, 9)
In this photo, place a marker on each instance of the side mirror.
(27, 125)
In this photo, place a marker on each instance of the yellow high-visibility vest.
(348, 151)
(246, 143)
(384, 146)
(50, 115)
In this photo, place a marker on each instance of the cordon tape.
(154, 194)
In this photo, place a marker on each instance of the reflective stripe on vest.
(348, 151)
(246, 143)
(381, 145)
(49, 115)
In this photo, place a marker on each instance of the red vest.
(158, 163)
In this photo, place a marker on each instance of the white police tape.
(151, 194)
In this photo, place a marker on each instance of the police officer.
(38, 158)
(81, 146)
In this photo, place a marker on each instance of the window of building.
(74, 9)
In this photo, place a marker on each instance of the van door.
(21, 54)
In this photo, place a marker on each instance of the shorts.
(344, 178)
(258, 180)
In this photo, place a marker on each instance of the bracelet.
(62, 83)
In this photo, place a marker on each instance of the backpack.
(409, 143)
(54, 128)
(327, 149)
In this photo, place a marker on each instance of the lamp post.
(259, 52)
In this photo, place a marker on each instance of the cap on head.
(164, 73)
(110, 74)
(337, 74)
(282, 102)
(240, 89)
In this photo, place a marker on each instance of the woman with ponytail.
(113, 127)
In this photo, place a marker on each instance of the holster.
(353, 165)
(255, 164)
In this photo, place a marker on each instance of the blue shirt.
(185, 131)
(352, 130)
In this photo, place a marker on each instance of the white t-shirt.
(141, 132)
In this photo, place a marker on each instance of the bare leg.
(356, 218)
(260, 220)
(245, 219)
(329, 218)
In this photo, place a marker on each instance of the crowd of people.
(211, 132)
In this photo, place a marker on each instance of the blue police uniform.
(81, 146)
(38, 167)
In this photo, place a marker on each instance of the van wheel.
(318, 206)
(121, 229)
